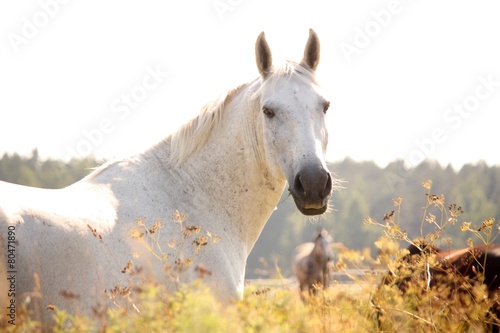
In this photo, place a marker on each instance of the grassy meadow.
(276, 306)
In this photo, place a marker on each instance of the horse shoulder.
(137, 187)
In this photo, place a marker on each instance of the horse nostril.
(321, 185)
(328, 187)
(298, 187)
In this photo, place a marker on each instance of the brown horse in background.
(310, 264)
(476, 264)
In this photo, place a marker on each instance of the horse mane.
(193, 135)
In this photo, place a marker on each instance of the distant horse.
(477, 264)
(223, 172)
(310, 264)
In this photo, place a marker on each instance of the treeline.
(368, 191)
(33, 171)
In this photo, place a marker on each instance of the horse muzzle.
(311, 189)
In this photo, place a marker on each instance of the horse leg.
(326, 278)
(312, 289)
(494, 316)
(302, 289)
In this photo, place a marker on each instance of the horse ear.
(263, 56)
(311, 52)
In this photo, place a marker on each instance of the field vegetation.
(361, 304)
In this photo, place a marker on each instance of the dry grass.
(357, 307)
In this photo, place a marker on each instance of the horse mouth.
(309, 208)
(313, 211)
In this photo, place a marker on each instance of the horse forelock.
(289, 70)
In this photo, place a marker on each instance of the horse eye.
(268, 112)
(326, 106)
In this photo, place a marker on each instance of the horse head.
(293, 120)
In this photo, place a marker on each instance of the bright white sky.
(406, 79)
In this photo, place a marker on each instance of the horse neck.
(319, 250)
(230, 169)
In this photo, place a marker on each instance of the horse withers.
(311, 263)
(222, 173)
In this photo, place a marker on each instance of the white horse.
(225, 171)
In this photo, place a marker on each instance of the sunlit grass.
(362, 305)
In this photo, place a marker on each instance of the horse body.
(458, 268)
(480, 263)
(310, 264)
(225, 170)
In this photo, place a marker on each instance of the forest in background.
(368, 190)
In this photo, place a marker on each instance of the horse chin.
(312, 211)
(310, 208)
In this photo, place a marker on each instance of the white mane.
(193, 135)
